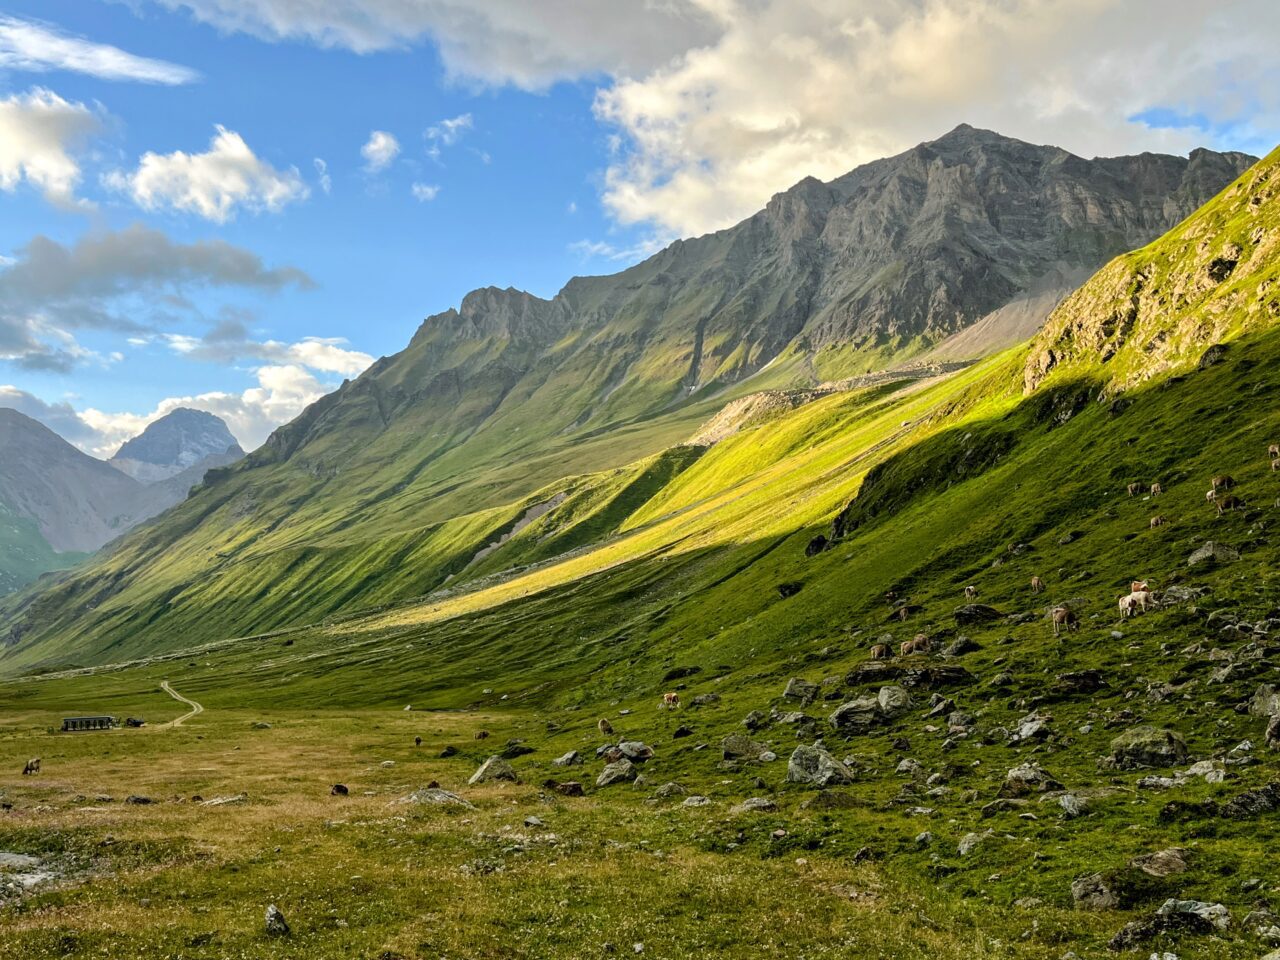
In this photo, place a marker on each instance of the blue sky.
(532, 143)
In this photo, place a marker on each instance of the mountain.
(178, 442)
(58, 504)
(397, 483)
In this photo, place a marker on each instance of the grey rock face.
(620, 771)
(1213, 552)
(811, 764)
(495, 768)
(177, 441)
(1147, 747)
(738, 746)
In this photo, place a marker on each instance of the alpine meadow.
(890, 572)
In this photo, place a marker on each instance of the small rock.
(495, 768)
(620, 771)
(755, 805)
(572, 758)
(275, 922)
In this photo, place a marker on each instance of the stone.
(970, 842)
(1214, 913)
(570, 788)
(495, 768)
(570, 759)
(137, 800)
(635, 751)
(620, 771)
(435, 796)
(276, 924)
(1211, 552)
(754, 720)
(738, 746)
(1093, 893)
(681, 732)
(669, 790)
(1162, 863)
(908, 767)
(814, 765)
(1072, 806)
(856, 716)
(893, 701)
(705, 699)
(696, 801)
(803, 691)
(960, 646)
(973, 613)
(1147, 746)
(1027, 778)
(755, 805)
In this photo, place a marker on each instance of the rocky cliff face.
(176, 443)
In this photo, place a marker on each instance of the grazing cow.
(917, 644)
(1137, 586)
(1273, 451)
(1156, 489)
(1037, 585)
(417, 741)
(1275, 464)
(1134, 489)
(482, 734)
(1064, 619)
(1211, 495)
(1229, 502)
(32, 767)
(1222, 482)
(881, 651)
(605, 727)
(671, 701)
(1159, 521)
(903, 613)
(971, 591)
(1130, 603)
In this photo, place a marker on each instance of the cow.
(1131, 603)
(1137, 586)
(482, 734)
(1229, 502)
(32, 767)
(1156, 489)
(671, 701)
(1222, 482)
(1064, 619)
(970, 591)
(1275, 464)
(881, 651)
(1134, 489)
(917, 644)
(1159, 521)
(417, 741)
(1037, 585)
(605, 727)
(1211, 495)
(1273, 451)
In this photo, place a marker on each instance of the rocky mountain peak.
(174, 443)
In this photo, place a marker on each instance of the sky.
(235, 204)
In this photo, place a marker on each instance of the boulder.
(802, 690)
(1147, 747)
(755, 805)
(570, 788)
(738, 746)
(1265, 702)
(970, 842)
(1028, 778)
(1213, 913)
(620, 771)
(495, 768)
(570, 759)
(1093, 893)
(1212, 552)
(434, 796)
(696, 801)
(856, 716)
(635, 751)
(814, 765)
(1162, 863)
(972, 613)
(668, 790)
(893, 701)
(276, 925)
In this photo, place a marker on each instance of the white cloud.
(37, 47)
(379, 151)
(212, 184)
(39, 132)
(424, 192)
(647, 247)
(448, 132)
(229, 342)
(517, 42)
(322, 171)
(813, 87)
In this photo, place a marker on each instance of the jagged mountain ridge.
(179, 441)
(380, 488)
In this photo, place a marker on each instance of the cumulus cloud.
(379, 151)
(51, 289)
(424, 192)
(213, 184)
(528, 45)
(39, 135)
(38, 47)
(811, 87)
(229, 342)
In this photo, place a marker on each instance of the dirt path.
(195, 707)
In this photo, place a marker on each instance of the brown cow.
(881, 651)
(605, 727)
(671, 701)
(1229, 502)
(1134, 489)
(1156, 489)
(482, 734)
(1222, 482)
(32, 767)
(917, 644)
(1064, 619)
(1275, 464)
(1137, 586)
(1037, 585)
(1273, 451)
(1159, 521)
